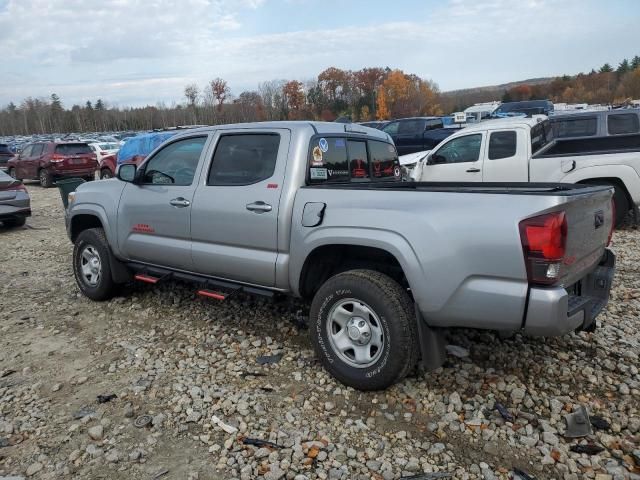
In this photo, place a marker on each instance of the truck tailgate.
(589, 217)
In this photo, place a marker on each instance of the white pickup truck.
(524, 150)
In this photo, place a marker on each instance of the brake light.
(57, 158)
(613, 222)
(544, 240)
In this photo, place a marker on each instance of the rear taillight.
(544, 240)
(57, 158)
(613, 222)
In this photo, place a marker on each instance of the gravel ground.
(190, 365)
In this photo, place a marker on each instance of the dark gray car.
(15, 203)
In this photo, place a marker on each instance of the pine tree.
(635, 62)
(606, 68)
(624, 67)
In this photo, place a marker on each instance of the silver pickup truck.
(317, 210)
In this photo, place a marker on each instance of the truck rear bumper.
(556, 311)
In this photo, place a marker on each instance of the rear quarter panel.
(461, 252)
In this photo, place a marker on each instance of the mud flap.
(119, 271)
(432, 344)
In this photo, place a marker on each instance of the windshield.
(73, 149)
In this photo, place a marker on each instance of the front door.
(458, 160)
(234, 219)
(154, 214)
(22, 163)
(410, 137)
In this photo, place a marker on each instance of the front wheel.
(105, 174)
(45, 178)
(91, 265)
(363, 328)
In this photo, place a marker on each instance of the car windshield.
(72, 148)
(4, 149)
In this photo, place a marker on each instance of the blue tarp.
(142, 145)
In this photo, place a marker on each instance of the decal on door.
(142, 228)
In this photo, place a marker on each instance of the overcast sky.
(131, 52)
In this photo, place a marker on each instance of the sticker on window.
(317, 156)
(324, 145)
(319, 174)
(339, 143)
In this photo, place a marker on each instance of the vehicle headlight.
(71, 197)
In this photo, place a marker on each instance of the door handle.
(180, 202)
(259, 207)
(473, 170)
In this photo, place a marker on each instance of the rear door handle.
(180, 202)
(473, 170)
(259, 207)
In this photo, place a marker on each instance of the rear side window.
(434, 124)
(622, 123)
(384, 160)
(541, 135)
(502, 145)
(410, 127)
(575, 127)
(73, 149)
(329, 160)
(244, 159)
(37, 150)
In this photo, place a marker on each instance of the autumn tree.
(220, 91)
(293, 96)
(382, 109)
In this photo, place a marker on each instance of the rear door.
(506, 156)
(457, 160)
(74, 156)
(33, 161)
(234, 219)
(154, 215)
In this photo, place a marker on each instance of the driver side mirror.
(126, 172)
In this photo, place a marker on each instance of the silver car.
(15, 203)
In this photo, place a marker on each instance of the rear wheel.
(91, 255)
(15, 222)
(45, 178)
(105, 173)
(363, 329)
(619, 199)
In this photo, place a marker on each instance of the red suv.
(49, 161)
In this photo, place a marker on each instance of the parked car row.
(15, 203)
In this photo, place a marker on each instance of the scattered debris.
(106, 398)
(429, 476)
(521, 475)
(161, 473)
(252, 374)
(269, 359)
(457, 351)
(84, 411)
(6, 373)
(143, 421)
(267, 388)
(578, 423)
(599, 423)
(226, 427)
(504, 413)
(589, 449)
(256, 442)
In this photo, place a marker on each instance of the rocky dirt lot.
(191, 393)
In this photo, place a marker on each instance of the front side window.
(26, 152)
(175, 164)
(244, 159)
(502, 145)
(623, 123)
(459, 150)
(411, 127)
(575, 127)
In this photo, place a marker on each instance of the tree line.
(367, 94)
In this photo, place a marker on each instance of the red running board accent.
(146, 278)
(211, 294)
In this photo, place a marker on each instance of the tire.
(105, 174)
(15, 222)
(96, 283)
(90, 179)
(389, 322)
(45, 179)
(619, 199)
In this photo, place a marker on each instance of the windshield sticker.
(339, 143)
(319, 174)
(323, 144)
(317, 156)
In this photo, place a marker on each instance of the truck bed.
(591, 146)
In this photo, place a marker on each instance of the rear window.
(73, 149)
(575, 127)
(621, 123)
(502, 145)
(338, 159)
